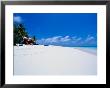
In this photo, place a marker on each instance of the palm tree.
(21, 30)
(19, 33)
(34, 39)
(16, 36)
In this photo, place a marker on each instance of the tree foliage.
(19, 33)
(34, 38)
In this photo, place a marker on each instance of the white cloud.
(78, 39)
(53, 39)
(59, 39)
(74, 37)
(67, 40)
(17, 19)
(89, 38)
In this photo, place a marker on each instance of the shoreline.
(82, 48)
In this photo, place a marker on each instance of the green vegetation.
(19, 33)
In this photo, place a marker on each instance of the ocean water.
(92, 50)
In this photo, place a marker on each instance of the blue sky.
(66, 29)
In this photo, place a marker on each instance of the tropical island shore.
(53, 60)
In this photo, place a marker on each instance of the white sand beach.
(53, 60)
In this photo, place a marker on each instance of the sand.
(53, 60)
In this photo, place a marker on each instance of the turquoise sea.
(92, 50)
